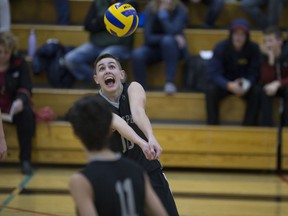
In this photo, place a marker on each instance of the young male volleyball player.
(128, 101)
(110, 184)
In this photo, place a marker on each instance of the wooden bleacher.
(43, 12)
(198, 39)
(185, 145)
(190, 107)
(179, 125)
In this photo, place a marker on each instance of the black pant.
(25, 125)
(161, 188)
(266, 109)
(215, 94)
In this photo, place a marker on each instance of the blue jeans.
(168, 51)
(254, 9)
(214, 10)
(63, 12)
(79, 61)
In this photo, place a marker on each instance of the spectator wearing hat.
(233, 70)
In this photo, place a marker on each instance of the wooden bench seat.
(75, 35)
(185, 146)
(198, 39)
(231, 10)
(285, 149)
(43, 11)
(178, 107)
(188, 107)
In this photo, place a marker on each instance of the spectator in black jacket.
(15, 96)
(79, 61)
(234, 69)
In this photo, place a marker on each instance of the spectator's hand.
(3, 148)
(271, 88)
(165, 4)
(17, 106)
(235, 88)
(269, 53)
(155, 148)
(181, 41)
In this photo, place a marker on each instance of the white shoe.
(170, 88)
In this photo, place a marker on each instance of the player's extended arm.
(153, 205)
(3, 146)
(137, 100)
(82, 194)
(127, 132)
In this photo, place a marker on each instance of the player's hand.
(147, 151)
(3, 148)
(155, 148)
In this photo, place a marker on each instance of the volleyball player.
(110, 184)
(128, 100)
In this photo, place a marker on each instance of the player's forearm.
(126, 131)
(143, 122)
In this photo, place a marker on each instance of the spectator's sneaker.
(170, 88)
(26, 168)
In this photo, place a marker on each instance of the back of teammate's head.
(91, 121)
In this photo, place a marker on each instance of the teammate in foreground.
(110, 184)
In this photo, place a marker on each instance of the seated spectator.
(16, 85)
(254, 8)
(5, 16)
(233, 70)
(164, 40)
(80, 60)
(214, 9)
(273, 73)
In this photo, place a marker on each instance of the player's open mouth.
(109, 81)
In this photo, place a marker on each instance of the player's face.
(108, 74)
(239, 38)
(271, 42)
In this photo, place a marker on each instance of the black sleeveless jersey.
(119, 143)
(118, 186)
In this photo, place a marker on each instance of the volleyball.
(121, 19)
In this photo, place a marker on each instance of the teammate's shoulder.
(135, 85)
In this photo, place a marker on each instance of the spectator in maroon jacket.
(274, 73)
(15, 95)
